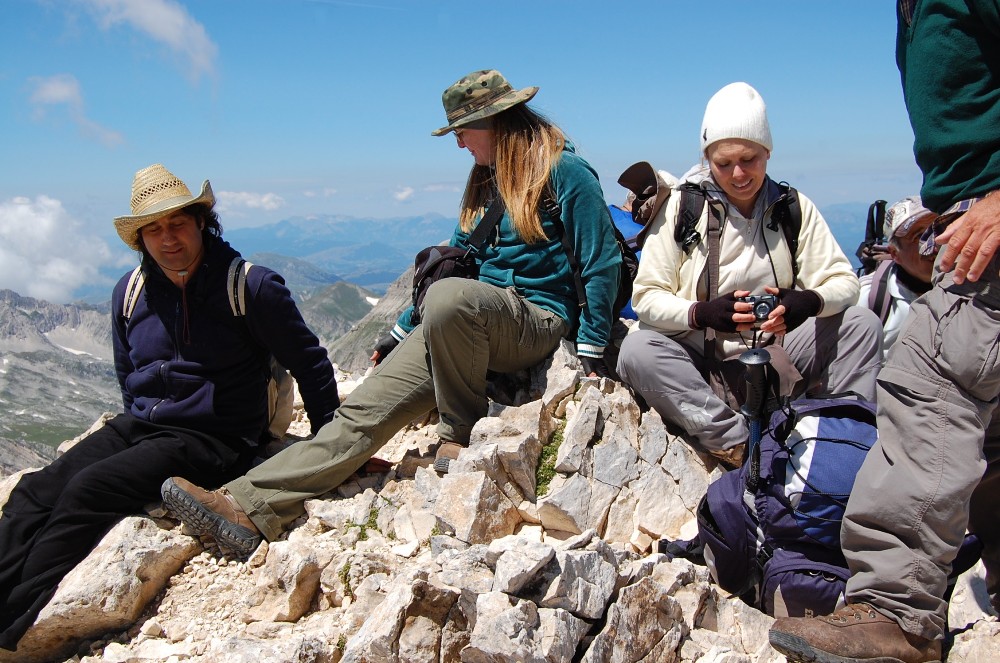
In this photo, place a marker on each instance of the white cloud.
(326, 192)
(446, 188)
(166, 22)
(64, 90)
(44, 252)
(403, 194)
(231, 200)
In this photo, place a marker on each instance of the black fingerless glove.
(800, 305)
(716, 314)
(594, 365)
(385, 345)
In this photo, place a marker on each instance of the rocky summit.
(536, 547)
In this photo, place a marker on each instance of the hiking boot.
(373, 466)
(731, 459)
(447, 451)
(211, 512)
(855, 633)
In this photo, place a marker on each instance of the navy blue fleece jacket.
(216, 383)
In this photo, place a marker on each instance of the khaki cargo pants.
(935, 470)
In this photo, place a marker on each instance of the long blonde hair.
(527, 147)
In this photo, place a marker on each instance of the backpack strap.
(685, 230)
(693, 201)
(879, 300)
(480, 235)
(788, 215)
(136, 281)
(237, 286)
(716, 380)
(551, 207)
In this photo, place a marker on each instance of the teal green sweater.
(540, 272)
(949, 60)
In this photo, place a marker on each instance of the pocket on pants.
(966, 345)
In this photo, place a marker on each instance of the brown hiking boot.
(211, 512)
(854, 634)
(447, 451)
(732, 458)
(374, 466)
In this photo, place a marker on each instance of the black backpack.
(874, 241)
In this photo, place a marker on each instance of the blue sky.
(308, 107)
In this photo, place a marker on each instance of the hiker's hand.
(385, 345)
(594, 368)
(724, 313)
(794, 307)
(971, 240)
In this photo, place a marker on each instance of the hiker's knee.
(447, 300)
(863, 322)
(642, 350)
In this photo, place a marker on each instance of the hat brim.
(650, 190)
(128, 227)
(512, 98)
(903, 228)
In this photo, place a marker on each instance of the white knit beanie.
(736, 111)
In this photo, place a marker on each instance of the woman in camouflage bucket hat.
(513, 317)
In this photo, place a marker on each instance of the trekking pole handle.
(755, 363)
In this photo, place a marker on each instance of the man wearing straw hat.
(193, 378)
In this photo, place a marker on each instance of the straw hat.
(477, 96)
(156, 192)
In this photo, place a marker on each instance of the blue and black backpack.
(771, 529)
(769, 532)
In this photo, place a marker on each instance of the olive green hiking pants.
(468, 328)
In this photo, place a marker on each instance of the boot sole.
(797, 650)
(441, 465)
(234, 538)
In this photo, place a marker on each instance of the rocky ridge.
(535, 547)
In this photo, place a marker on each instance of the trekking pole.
(755, 363)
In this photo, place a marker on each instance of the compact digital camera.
(762, 305)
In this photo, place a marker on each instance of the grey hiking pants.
(935, 471)
(834, 354)
(468, 327)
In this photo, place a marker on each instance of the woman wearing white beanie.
(771, 241)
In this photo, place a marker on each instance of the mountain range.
(350, 277)
(56, 370)
(371, 253)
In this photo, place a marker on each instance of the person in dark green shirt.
(934, 474)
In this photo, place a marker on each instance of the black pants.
(57, 515)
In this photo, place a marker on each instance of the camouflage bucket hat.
(479, 95)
